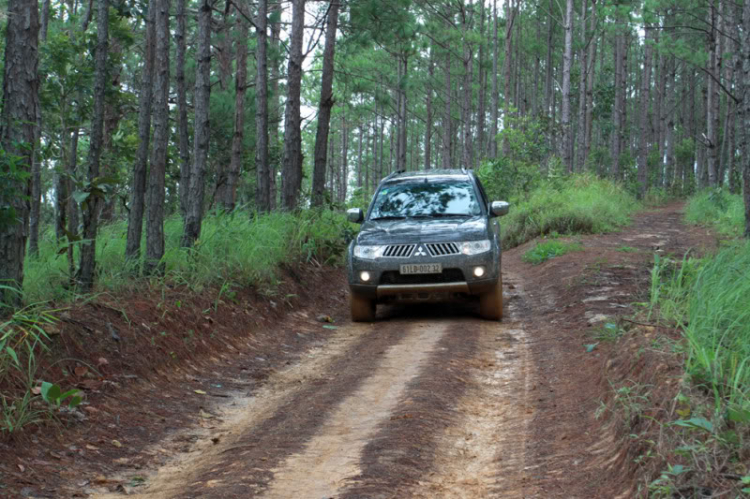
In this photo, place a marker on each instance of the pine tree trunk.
(567, 139)
(87, 266)
(479, 149)
(447, 119)
(361, 137)
(669, 115)
(274, 112)
(617, 132)
(228, 191)
(548, 79)
(262, 167)
(745, 113)
(580, 152)
(72, 206)
(194, 217)
(495, 88)
(644, 125)
(590, 90)
(466, 113)
(509, 21)
(428, 111)
(292, 173)
(712, 98)
(344, 159)
(138, 187)
(182, 109)
(17, 123)
(157, 170)
(401, 151)
(325, 106)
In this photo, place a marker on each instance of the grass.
(627, 249)
(233, 248)
(543, 251)
(719, 209)
(576, 205)
(708, 299)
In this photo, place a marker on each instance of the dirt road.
(431, 401)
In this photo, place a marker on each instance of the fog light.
(364, 276)
(478, 271)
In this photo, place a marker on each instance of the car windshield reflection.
(424, 200)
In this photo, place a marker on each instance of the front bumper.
(420, 291)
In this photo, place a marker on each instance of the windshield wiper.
(390, 217)
(437, 215)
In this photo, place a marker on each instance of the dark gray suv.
(427, 236)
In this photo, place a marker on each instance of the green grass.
(233, 248)
(627, 249)
(719, 209)
(576, 205)
(710, 300)
(543, 251)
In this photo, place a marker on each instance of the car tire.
(491, 303)
(362, 308)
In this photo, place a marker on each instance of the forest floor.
(426, 402)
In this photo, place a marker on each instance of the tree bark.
(479, 149)
(87, 266)
(580, 152)
(275, 110)
(620, 83)
(155, 188)
(228, 192)
(325, 106)
(567, 140)
(428, 111)
(712, 98)
(17, 123)
(262, 168)
(466, 113)
(644, 125)
(402, 116)
(447, 119)
(182, 109)
(509, 20)
(138, 188)
(194, 218)
(495, 88)
(292, 168)
(745, 113)
(72, 206)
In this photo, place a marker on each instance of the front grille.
(448, 275)
(442, 249)
(399, 250)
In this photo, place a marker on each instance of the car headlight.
(368, 252)
(475, 247)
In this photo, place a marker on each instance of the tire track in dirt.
(333, 455)
(258, 432)
(484, 453)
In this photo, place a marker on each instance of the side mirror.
(355, 215)
(499, 208)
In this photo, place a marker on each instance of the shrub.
(719, 209)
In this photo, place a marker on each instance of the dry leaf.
(200, 392)
(81, 371)
(116, 443)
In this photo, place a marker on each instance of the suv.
(427, 236)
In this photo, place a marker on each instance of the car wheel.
(362, 308)
(491, 303)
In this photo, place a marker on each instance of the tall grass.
(719, 209)
(574, 205)
(232, 247)
(710, 300)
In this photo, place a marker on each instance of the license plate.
(422, 268)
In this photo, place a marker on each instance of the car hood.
(422, 230)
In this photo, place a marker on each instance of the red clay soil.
(152, 363)
(166, 367)
(581, 444)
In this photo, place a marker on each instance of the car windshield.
(425, 199)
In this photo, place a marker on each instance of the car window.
(416, 199)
